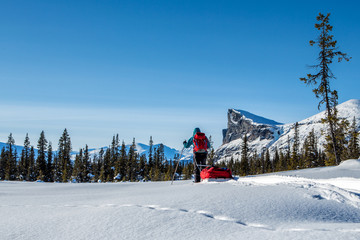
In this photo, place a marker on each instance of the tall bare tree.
(328, 51)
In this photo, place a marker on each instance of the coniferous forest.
(115, 163)
(119, 163)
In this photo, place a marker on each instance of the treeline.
(115, 163)
(298, 155)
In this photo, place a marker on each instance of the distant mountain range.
(264, 133)
(141, 148)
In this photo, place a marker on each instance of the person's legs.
(199, 162)
(203, 161)
(196, 168)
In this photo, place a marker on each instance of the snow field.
(284, 205)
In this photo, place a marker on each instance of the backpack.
(200, 142)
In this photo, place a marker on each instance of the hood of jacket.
(196, 130)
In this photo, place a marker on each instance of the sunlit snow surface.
(321, 203)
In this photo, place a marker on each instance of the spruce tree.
(57, 170)
(24, 159)
(78, 171)
(64, 152)
(130, 163)
(100, 166)
(244, 164)
(86, 165)
(187, 171)
(49, 164)
(328, 51)
(295, 159)
(283, 162)
(41, 158)
(211, 155)
(231, 164)
(311, 154)
(354, 148)
(10, 159)
(276, 161)
(31, 175)
(106, 168)
(142, 166)
(342, 127)
(150, 156)
(288, 154)
(262, 163)
(122, 161)
(2, 164)
(168, 173)
(268, 164)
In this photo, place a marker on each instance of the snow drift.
(320, 203)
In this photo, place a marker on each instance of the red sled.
(209, 173)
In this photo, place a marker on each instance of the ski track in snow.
(203, 213)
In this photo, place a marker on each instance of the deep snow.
(321, 203)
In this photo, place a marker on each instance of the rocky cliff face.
(256, 127)
(264, 133)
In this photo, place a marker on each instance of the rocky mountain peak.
(264, 133)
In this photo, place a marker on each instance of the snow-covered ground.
(321, 203)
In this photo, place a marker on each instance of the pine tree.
(268, 164)
(150, 156)
(100, 166)
(168, 173)
(244, 164)
(142, 166)
(57, 170)
(41, 158)
(31, 175)
(78, 171)
(64, 152)
(231, 166)
(311, 154)
(295, 149)
(187, 171)
(130, 164)
(86, 165)
(353, 149)
(254, 162)
(95, 167)
(10, 159)
(341, 129)
(211, 155)
(16, 168)
(114, 156)
(288, 154)
(328, 51)
(2, 164)
(24, 159)
(122, 161)
(283, 162)
(106, 168)
(276, 161)
(262, 163)
(49, 164)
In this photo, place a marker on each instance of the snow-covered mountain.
(263, 133)
(17, 147)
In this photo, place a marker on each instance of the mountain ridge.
(263, 136)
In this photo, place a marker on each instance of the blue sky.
(161, 68)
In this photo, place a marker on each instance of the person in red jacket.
(201, 145)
